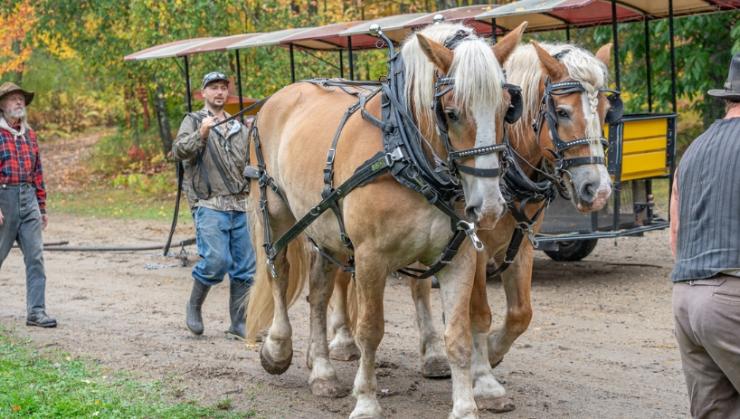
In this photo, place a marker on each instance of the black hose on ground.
(62, 247)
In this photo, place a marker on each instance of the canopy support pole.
(351, 59)
(292, 64)
(179, 170)
(239, 84)
(493, 30)
(648, 66)
(615, 40)
(673, 55)
(341, 64)
(188, 98)
(567, 34)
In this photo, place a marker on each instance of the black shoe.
(193, 317)
(237, 308)
(40, 319)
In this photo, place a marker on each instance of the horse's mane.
(523, 68)
(478, 75)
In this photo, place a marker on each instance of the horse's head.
(456, 83)
(572, 112)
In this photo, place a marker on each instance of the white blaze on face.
(590, 102)
(487, 189)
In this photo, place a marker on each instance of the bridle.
(548, 113)
(444, 85)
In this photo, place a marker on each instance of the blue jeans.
(224, 246)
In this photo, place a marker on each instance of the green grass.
(52, 384)
(110, 202)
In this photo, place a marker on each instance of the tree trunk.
(165, 135)
(17, 76)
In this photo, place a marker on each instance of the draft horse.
(556, 146)
(413, 151)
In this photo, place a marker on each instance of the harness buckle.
(271, 267)
(393, 156)
(469, 229)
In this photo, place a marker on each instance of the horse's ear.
(554, 68)
(508, 43)
(436, 52)
(604, 54)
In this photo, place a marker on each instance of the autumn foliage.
(15, 48)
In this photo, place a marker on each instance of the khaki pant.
(707, 320)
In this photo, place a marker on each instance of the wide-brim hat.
(10, 87)
(732, 85)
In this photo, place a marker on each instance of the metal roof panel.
(267, 38)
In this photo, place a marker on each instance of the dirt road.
(600, 343)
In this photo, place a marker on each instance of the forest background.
(70, 52)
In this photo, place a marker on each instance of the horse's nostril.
(588, 192)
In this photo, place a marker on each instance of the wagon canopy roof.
(328, 38)
(395, 27)
(559, 14)
(267, 39)
(465, 15)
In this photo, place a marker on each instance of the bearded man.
(214, 150)
(23, 198)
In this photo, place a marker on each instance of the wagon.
(641, 146)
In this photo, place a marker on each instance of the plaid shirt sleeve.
(20, 162)
(37, 173)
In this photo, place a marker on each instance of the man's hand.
(2, 219)
(44, 220)
(206, 126)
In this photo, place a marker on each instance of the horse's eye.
(452, 114)
(562, 113)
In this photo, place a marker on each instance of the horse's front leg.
(433, 358)
(489, 393)
(517, 282)
(456, 283)
(370, 278)
(323, 379)
(276, 353)
(342, 346)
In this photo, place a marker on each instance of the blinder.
(516, 104)
(616, 106)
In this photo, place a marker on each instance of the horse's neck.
(427, 128)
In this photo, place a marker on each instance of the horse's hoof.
(436, 367)
(345, 352)
(495, 362)
(328, 388)
(271, 365)
(496, 404)
(468, 415)
(366, 409)
(364, 416)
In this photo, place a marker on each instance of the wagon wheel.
(572, 250)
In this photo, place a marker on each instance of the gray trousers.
(23, 224)
(707, 320)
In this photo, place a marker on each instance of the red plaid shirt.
(20, 162)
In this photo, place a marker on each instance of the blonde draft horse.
(389, 225)
(580, 115)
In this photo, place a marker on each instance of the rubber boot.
(193, 318)
(237, 308)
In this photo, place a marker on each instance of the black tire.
(572, 250)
